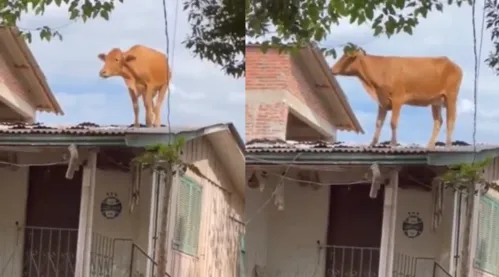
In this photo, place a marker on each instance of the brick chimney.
(266, 79)
(292, 97)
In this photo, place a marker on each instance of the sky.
(440, 34)
(200, 92)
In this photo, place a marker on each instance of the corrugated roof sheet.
(86, 129)
(280, 146)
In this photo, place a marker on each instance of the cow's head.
(114, 62)
(349, 63)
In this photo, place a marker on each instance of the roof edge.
(337, 89)
(350, 158)
(34, 67)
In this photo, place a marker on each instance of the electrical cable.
(477, 55)
(278, 186)
(165, 18)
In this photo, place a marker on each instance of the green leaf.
(408, 29)
(369, 14)
(104, 14)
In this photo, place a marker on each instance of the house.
(73, 206)
(319, 207)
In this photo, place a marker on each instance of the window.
(188, 218)
(242, 256)
(487, 256)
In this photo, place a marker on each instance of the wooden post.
(82, 267)
(387, 249)
(163, 223)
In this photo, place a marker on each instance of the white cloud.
(465, 106)
(73, 63)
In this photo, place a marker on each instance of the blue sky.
(441, 34)
(200, 93)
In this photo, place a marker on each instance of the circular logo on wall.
(111, 206)
(413, 225)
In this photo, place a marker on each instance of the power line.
(279, 185)
(165, 18)
(477, 53)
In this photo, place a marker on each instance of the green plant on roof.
(166, 159)
(463, 177)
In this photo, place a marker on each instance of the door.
(52, 217)
(354, 231)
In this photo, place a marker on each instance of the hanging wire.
(165, 18)
(476, 56)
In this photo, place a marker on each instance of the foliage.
(11, 11)
(462, 177)
(160, 157)
(301, 22)
(492, 20)
(217, 33)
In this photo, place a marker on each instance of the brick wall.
(274, 73)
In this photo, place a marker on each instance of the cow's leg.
(148, 104)
(396, 107)
(451, 119)
(132, 90)
(135, 104)
(380, 120)
(436, 111)
(159, 102)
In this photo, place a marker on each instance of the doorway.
(354, 231)
(52, 216)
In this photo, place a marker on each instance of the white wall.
(13, 196)
(291, 236)
(429, 244)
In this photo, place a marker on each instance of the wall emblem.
(111, 206)
(413, 225)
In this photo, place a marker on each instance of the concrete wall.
(428, 244)
(285, 242)
(13, 196)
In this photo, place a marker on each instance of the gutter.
(334, 159)
(349, 158)
(130, 138)
(36, 71)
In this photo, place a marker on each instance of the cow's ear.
(129, 57)
(102, 56)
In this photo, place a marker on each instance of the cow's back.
(150, 65)
(418, 78)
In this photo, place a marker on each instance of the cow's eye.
(117, 59)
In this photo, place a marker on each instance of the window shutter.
(488, 235)
(242, 256)
(188, 217)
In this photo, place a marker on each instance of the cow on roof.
(396, 81)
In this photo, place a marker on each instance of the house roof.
(25, 65)
(328, 88)
(224, 138)
(262, 151)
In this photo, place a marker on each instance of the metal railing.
(349, 261)
(37, 251)
(404, 265)
(51, 252)
(142, 265)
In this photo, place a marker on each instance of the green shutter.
(188, 219)
(488, 235)
(242, 257)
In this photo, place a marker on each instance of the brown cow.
(146, 73)
(396, 81)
